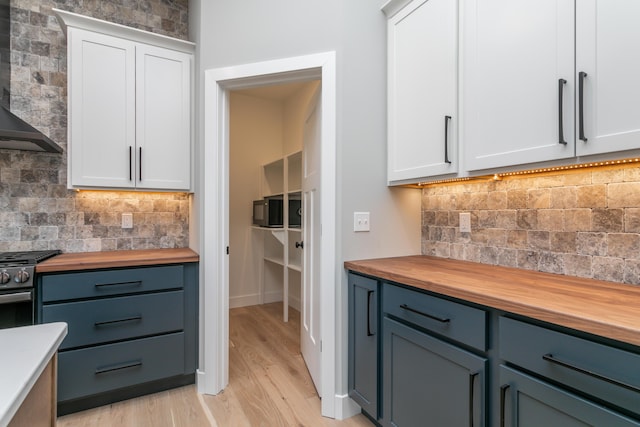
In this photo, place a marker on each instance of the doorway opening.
(219, 83)
(273, 148)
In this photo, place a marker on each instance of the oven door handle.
(17, 297)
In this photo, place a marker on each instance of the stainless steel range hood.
(16, 134)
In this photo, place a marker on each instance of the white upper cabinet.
(163, 116)
(129, 107)
(517, 82)
(608, 64)
(102, 104)
(422, 89)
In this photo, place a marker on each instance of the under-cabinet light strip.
(499, 176)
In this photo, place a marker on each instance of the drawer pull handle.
(111, 322)
(551, 358)
(430, 316)
(118, 367)
(503, 398)
(472, 378)
(133, 283)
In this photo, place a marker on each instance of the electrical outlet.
(361, 221)
(127, 220)
(465, 222)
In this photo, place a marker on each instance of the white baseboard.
(345, 407)
(200, 381)
(254, 299)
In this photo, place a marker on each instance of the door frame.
(213, 375)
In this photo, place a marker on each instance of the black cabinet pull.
(111, 322)
(503, 398)
(369, 295)
(561, 83)
(551, 358)
(133, 283)
(300, 245)
(140, 163)
(130, 168)
(430, 316)
(446, 139)
(581, 76)
(118, 367)
(472, 378)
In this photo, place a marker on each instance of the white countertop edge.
(26, 351)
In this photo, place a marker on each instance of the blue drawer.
(599, 370)
(449, 319)
(100, 283)
(117, 318)
(109, 367)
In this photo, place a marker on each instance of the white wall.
(233, 32)
(255, 138)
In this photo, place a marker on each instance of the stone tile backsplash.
(584, 223)
(37, 211)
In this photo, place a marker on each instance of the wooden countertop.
(602, 308)
(112, 259)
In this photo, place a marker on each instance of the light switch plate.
(465, 222)
(127, 220)
(361, 221)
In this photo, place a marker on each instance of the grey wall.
(239, 32)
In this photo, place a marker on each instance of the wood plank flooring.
(269, 385)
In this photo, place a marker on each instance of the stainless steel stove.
(17, 271)
(17, 268)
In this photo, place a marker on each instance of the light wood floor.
(268, 385)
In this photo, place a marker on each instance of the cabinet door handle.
(430, 316)
(503, 398)
(130, 168)
(118, 367)
(111, 322)
(581, 76)
(551, 358)
(561, 83)
(133, 283)
(140, 163)
(472, 378)
(369, 331)
(446, 139)
(300, 245)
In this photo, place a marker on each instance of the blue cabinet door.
(428, 382)
(363, 343)
(529, 402)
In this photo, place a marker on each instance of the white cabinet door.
(163, 107)
(607, 50)
(101, 110)
(422, 90)
(516, 54)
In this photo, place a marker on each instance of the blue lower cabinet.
(428, 382)
(98, 369)
(132, 331)
(118, 318)
(526, 401)
(364, 343)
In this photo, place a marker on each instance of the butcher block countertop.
(114, 259)
(605, 309)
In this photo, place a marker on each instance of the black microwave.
(268, 212)
(295, 212)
